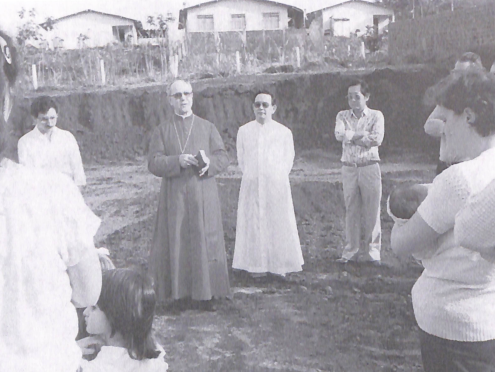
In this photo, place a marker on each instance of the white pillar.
(363, 50)
(298, 57)
(35, 77)
(238, 61)
(102, 69)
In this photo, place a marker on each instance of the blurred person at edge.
(436, 128)
(454, 298)
(48, 146)
(188, 259)
(361, 131)
(48, 262)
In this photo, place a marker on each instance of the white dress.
(117, 359)
(266, 234)
(45, 227)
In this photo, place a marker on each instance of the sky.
(135, 9)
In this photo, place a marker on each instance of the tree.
(162, 22)
(48, 24)
(29, 30)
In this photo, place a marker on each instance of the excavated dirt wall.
(116, 124)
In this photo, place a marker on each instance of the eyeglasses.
(179, 95)
(259, 104)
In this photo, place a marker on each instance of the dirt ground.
(329, 317)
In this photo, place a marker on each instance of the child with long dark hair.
(121, 326)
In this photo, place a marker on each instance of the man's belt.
(358, 165)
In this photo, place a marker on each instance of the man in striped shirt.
(361, 130)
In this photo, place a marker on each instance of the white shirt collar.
(39, 134)
(265, 124)
(366, 112)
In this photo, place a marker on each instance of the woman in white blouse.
(454, 298)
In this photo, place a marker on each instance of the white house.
(92, 29)
(353, 16)
(239, 15)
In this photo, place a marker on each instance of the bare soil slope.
(116, 123)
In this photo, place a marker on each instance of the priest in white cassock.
(267, 240)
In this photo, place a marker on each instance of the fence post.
(174, 66)
(298, 57)
(35, 77)
(102, 69)
(238, 61)
(349, 50)
(363, 50)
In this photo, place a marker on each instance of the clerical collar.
(265, 123)
(184, 116)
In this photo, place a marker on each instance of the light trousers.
(362, 195)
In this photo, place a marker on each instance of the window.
(271, 21)
(238, 21)
(122, 33)
(205, 22)
(341, 27)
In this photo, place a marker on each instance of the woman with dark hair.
(48, 262)
(121, 326)
(454, 298)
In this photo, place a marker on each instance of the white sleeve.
(446, 196)
(23, 152)
(289, 152)
(76, 164)
(475, 223)
(240, 149)
(343, 133)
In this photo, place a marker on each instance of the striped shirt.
(365, 149)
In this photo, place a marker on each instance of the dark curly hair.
(41, 105)
(471, 88)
